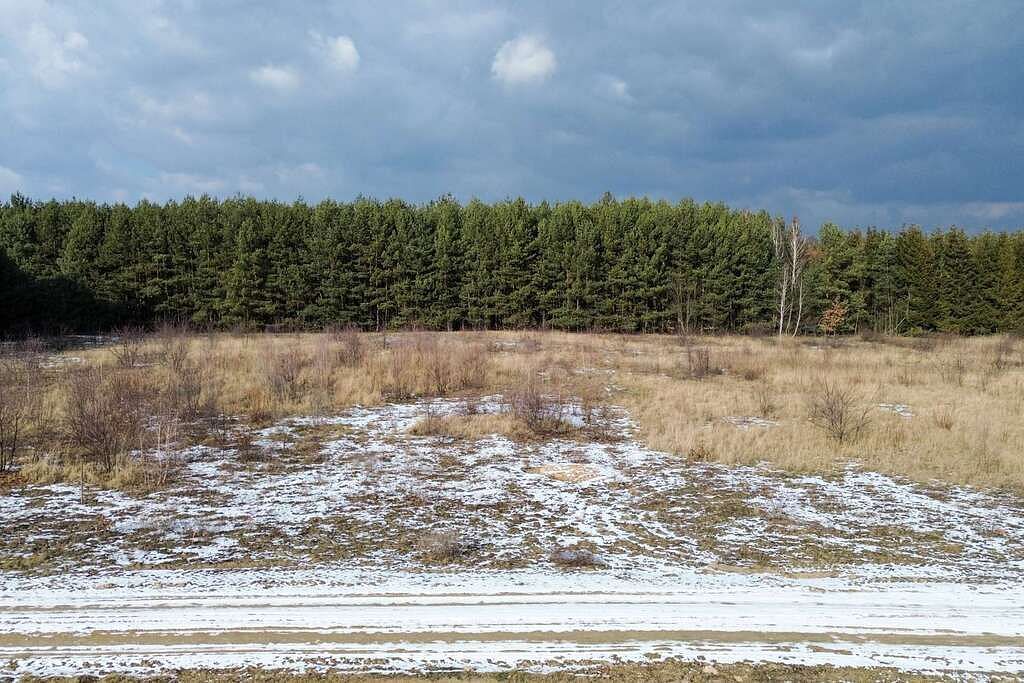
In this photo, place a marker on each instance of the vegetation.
(629, 266)
(946, 408)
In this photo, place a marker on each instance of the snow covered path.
(401, 621)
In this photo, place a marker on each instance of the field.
(538, 502)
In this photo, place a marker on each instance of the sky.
(861, 113)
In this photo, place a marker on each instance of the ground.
(360, 541)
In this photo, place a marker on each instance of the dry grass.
(471, 427)
(966, 396)
(979, 441)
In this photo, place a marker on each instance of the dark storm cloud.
(862, 113)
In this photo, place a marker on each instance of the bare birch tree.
(792, 252)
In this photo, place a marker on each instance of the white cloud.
(994, 210)
(615, 88)
(300, 172)
(193, 106)
(190, 182)
(54, 59)
(10, 182)
(338, 52)
(523, 60)
(276, 77)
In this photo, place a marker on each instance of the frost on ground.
(310, 535)
(358, 489)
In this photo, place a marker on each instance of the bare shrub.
(472, 364)
(699, 364)
(173, 345)
(191, 391)
(128, 346)
(444, 547)
(436, 363)
(104, 415)
(349, 340)
(15, 410)
(283, 371)
(400, 373)
(429, 424)
(700, 452)
(597, 414)
(575, 558)
(839, 412)
(542, 411)
(155, 466)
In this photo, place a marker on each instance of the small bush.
(128, 346)
(105, 415)
(444, 547)
(543, 412)
(437, 364)
(472, 364)
(400, 381)
(173, 345)
(283, 370)
(700, 452)
(15, 410)
(839, 412)
(576, 558)
(699, 364)
(599, 418)
(349, 340)
(191, 391)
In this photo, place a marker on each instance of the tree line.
(632, 265)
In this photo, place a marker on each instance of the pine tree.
(917, 272)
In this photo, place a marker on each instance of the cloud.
(523, 60)
(883, 113)
(280, 78)
(338, 52)
(615, 88)
(10, 182)
(54, 58)
(193, 183)
(994, 211)
(194, 106)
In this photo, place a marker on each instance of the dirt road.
(358, 620)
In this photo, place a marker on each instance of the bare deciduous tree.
(792, 251)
